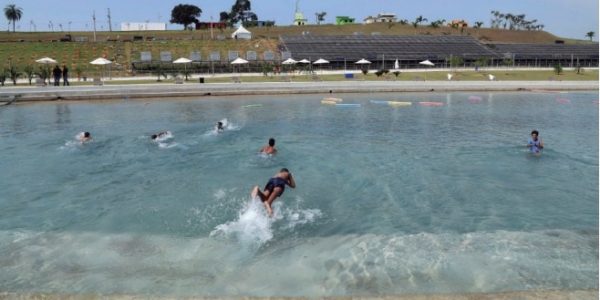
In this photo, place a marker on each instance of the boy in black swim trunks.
(274, 188)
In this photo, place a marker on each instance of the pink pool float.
(475, 99)
(563, 101)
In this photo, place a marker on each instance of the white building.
(146, 26)
(381, 18)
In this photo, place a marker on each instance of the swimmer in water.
(219, 126)
(270, 148)
(274, 188)
(160, 135)
(535, 144)
(85, 137)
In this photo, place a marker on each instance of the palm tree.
(13, 14)
(590, 35)
(478, 24)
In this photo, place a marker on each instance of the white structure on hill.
(241, 34)
(381, 18)
(146, 26)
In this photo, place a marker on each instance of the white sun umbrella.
(184, 61)
(46, 61)
(427, 63)
(101, 62)
(363, 62)
(305, 61)
(239, 61)
(289, 61)
(320, 61)
(396, 65)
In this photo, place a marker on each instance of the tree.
(437, 23)
(320, 17)
(185, 14)
(29, 72)
(590, 35)
(478, 24)
(558, 68)
(13, 14)
(418, 21)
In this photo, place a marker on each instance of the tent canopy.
(305, 61)
(241, 33)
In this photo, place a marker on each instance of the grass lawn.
(587, 75)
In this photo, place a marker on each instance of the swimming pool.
(391, 199)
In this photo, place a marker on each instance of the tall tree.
(185, 14)
(590, 35)
(239, 11)
(478, 24)
(13, 14)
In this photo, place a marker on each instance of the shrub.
(558, 69)
(365, 71)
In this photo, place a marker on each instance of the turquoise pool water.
(390, 200)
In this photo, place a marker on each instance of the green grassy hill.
(23, 48)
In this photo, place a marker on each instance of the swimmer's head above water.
(272, 142)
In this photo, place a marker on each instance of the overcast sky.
(565, 18)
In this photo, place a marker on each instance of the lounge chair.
(98, 81)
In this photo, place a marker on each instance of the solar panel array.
(393, 47)
(547, 51)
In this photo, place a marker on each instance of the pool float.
(333, 99)
(399, 103)
(327, 102)
(475, 99)
(563, 101)
(380, 102)
(427, 103)
(252, 105)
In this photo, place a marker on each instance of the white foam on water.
(252, 226)
(368, 264)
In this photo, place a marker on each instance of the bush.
(379, 73)
(558, 69)
(397, 73)
(365, 71)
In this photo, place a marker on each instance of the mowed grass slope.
(23, 48)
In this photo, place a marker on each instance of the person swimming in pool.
(274, 189)
(160, 135)
(84, 137)
(535, 143)
(219, 126)
(270, 148)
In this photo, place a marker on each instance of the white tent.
(289, 61)
(427, 63)
(396, 65)
(305, 61)
(363, 62)
(241, 33)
